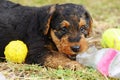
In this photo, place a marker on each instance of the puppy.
(53, 33)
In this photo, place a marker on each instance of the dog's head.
(69, 25)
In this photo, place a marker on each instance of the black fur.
(29, 24)
(26, 24)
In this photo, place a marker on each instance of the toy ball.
(16, 51)
(111, 38)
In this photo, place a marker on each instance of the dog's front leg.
(39, 54)
(56, 59)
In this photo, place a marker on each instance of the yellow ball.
(16, 51)
(111, 38)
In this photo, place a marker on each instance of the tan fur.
(82, 22)
(47, 26)
(65, 23)
(60, 60)
(52, 9)
(90, 29)
(64, 46)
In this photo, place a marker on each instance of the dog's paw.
(73, 65)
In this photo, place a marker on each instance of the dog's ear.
(89, 21)
(45, 18)
(51, 12)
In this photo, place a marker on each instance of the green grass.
(34, 72)
(105, 14)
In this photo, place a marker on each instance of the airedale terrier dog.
(54, 33)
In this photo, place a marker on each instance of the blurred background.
(104, 12)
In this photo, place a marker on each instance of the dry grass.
(34, 72)
(105, 14)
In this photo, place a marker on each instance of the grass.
(34, 72)
(105, 14)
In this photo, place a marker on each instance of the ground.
(105, 15)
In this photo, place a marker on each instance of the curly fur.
(32, 25)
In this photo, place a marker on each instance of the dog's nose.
(75, 48)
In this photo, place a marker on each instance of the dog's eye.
(83, 30)
(64, 29)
